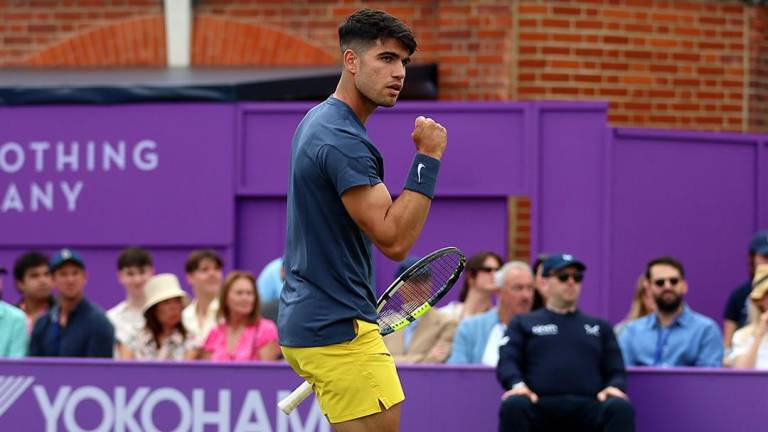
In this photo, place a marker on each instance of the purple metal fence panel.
(568, 203)
(690, 195)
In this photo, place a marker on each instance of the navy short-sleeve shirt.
(328, 263)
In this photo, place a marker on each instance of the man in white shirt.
(204, 275)
(134, 268)
(478, 338)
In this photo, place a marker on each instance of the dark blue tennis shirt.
(329, 269)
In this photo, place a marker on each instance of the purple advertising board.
(103, 395)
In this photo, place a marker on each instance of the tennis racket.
(410, 296)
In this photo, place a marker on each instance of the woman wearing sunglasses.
(750, 346)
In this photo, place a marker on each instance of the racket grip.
(290, 402)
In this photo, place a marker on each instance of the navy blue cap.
(66, 256)
(759, 243)
(560, 261)
(405, 265)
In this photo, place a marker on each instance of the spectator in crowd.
(243, 334)
(476, 295)
(163, 336)
(13, 327)
(562, 369)
(134, 268)
(74, 327)
(736, 309)
(478, 338)
(538, 294)
(33, 280)
(673, 335)
(204, 274)
(270, 283)
(642, 305)
(750, 346)
(270, 280)
(428, 340)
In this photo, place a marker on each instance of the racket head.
(419, 288)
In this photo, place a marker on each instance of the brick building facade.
(683, 64)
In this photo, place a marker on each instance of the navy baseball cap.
(66, 256)
(759, 243)
(560, 261)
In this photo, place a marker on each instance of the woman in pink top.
(243, 335)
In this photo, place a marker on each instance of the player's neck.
(350, 95)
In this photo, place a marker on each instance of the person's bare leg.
(388, 420)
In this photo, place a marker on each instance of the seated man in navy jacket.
(562, 369)
(74, 327)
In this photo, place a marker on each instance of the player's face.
(380, 72)
(36, 283)
(241, 297)
(206, 279)
(133, 278)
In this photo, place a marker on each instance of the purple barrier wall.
(613, 197)
(58, 395)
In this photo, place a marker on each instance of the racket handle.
(290, 402)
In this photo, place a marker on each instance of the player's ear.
(350, 60)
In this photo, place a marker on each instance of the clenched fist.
(430, 137)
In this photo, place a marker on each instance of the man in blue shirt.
(674, 335)
(337, 207)
(74, 327)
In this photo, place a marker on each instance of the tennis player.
(337, 207)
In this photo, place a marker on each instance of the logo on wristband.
(418, 171)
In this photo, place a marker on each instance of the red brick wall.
(659, 63)
(758, 97)
(28, 28)
(696, 64)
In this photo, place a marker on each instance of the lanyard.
(661, 340)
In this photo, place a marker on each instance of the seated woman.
(750, 346)
(243, 335)
(642, 305)
(477, 293)
(163, 337)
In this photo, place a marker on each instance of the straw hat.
(760, 282)
(162, 287)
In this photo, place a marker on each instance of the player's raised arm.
(394, 226)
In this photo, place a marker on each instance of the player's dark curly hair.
(363, 28)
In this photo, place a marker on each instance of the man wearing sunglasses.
(562, 369)
(674, 335)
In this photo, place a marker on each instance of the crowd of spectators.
(157, 320)
(511, 316)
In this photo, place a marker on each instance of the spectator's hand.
(430, 137)
(611, 391)
(439, 352)
(762, 324)
(521, 390)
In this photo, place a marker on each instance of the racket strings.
(420, 289)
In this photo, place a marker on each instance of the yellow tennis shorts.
(350, 378)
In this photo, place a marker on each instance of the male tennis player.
(337, 206)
